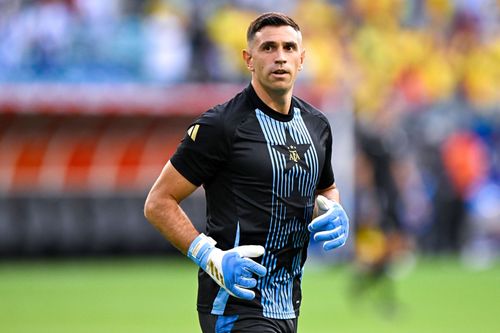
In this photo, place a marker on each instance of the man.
(263, 158)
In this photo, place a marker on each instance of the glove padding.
(332, 224)
(232, 269)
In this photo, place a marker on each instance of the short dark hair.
(270, 19)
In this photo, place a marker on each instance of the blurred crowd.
(427, 49)
(423, 77)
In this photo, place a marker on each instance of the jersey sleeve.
(327, 178)
(203, 150)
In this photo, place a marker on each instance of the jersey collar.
(259, 104)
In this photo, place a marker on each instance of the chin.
(281, 86)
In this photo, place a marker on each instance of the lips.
(280, 71)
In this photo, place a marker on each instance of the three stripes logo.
(193, 131)
(214, 272)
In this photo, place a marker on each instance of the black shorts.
(245, 323)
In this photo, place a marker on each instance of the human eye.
(290, 46)
(267, 47)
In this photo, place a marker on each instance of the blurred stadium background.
(95, 96)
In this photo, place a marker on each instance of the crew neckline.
(259, 104)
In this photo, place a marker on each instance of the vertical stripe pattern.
(286, 231)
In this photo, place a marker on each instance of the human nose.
(280, 56)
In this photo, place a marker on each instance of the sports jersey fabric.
(260, 170)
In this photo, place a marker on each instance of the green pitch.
(158, 295)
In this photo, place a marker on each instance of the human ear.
(302, 57)
(247, 57)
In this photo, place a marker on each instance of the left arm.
(331, 224)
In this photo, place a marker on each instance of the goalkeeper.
(264, 159)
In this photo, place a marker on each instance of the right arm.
(163, 211)
(231, 269)
(197, 160)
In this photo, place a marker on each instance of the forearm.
(168, 217)
(228, 268)
(162, 208)
(331, 193)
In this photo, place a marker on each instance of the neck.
(278, 100)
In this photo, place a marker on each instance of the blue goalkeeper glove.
(232, 270)
(332, 224)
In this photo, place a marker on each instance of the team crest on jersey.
(193, 131)
(294, 152)
(294, 155)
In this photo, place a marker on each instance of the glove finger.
(337, 221)
(335, 243)
(242, 293)
(247, 282)
(245, 273)
(328, 234)
(250, 251)
(319, 223)
(337, 211)
(341, 221)
(254, 267)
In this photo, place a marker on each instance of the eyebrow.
(273, 43)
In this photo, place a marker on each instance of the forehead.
(283, 33)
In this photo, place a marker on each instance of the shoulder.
(227, 116)
(309, 111)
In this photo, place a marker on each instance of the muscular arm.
(162, 208)
(229, 269)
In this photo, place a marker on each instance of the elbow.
(150, 208)
(157, 208)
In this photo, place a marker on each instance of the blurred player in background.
(264, 159)
(381, 241)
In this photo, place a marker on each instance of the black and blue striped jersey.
(260, 170)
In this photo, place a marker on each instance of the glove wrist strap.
(200, 248)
